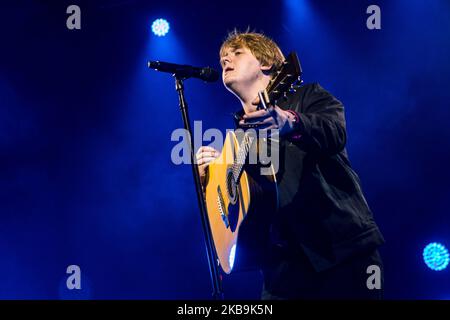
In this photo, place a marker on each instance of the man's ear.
(266, 68)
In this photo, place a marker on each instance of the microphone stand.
(216, 278)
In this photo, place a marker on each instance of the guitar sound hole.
(233, 206)
(231, 188)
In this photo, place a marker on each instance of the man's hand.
(204, 156)
(272, 118)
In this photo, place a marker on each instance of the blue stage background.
(86, 176)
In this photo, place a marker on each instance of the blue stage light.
(232, 255)
(436, 256)
(160, 27)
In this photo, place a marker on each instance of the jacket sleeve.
(322, 121)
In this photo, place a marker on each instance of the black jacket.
(323, 211)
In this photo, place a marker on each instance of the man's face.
(240, 68)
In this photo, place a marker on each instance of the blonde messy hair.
(262, 47)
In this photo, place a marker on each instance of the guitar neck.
(244, 149)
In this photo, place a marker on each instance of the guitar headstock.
(286, 80)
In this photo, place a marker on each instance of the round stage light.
(436, 256)
(160, 27)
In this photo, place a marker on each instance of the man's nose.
(226, 60)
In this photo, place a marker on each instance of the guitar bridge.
(221, 206)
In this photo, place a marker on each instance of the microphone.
(206, 74)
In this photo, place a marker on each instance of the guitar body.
(239, 213)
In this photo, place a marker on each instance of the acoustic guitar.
(240, 201)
